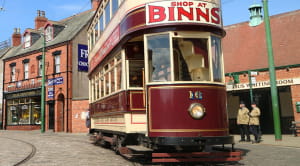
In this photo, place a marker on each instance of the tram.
(156, 80)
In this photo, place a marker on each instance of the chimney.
(40, 19)
(16, 37)
(95, 4)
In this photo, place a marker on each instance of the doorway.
(60, 113)
(51, 115)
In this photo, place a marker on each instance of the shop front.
(23, 110)
(261, 95)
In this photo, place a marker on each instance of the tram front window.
(159, 58)
(191, 59)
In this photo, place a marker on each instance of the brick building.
(3, 52)
(66, 85)
(244, 49)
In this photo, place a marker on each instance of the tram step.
(138, 148)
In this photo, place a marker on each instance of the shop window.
(191, 59)
(159, 58)
(24, 111)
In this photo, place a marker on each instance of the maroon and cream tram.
(157, 80)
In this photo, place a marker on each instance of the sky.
(21, 13)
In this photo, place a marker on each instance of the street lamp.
(274, 93)
(43, 86)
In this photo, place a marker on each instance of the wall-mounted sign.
(263, 84)
(50, 92)
(83, 61)
(55, 81)
(166, 12)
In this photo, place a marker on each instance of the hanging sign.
(203, 12)
(83, 62)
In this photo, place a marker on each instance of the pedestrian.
(243, 122)
(88, 121)
(254, 122)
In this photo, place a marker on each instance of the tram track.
(29, 156)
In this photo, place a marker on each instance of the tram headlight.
(196, 110)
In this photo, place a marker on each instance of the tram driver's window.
(159, 58)
(135, 55)
(191, 59)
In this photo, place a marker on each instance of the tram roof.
(244, 47)
(72, 26)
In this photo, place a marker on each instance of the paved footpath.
(65, 149)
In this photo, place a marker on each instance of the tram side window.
(191, 59)
(159, 58)
(135, 55)
(217, 59)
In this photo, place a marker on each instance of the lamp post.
(272, 72)
(43, 86)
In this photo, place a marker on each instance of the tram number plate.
(197, 95)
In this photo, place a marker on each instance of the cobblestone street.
(64, 149)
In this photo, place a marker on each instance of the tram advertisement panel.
(166, 12)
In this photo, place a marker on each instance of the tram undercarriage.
(138, 147)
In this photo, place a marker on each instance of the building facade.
(66, 67)
(246, 59)
(3, 52)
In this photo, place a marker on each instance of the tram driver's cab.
(195, 57)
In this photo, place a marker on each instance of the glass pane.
(36, 114)
(119, 76)
(216, 58)
(112, 79)
(114, 6)
(136, 73)
(101, 24)
(96, 29)
(159, 58)
(107, 13)
(191, 59)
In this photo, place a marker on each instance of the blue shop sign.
(83, 61)
(55, 81)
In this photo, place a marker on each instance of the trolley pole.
(43, 86)
(272, 72)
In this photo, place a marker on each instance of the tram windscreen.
(191, 59)
(159, 58)
(216, 58)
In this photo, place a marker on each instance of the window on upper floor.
(49, 33)
(40, 70)
(27, 40)
(26, 71)
(57, 64)
(13, 73)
